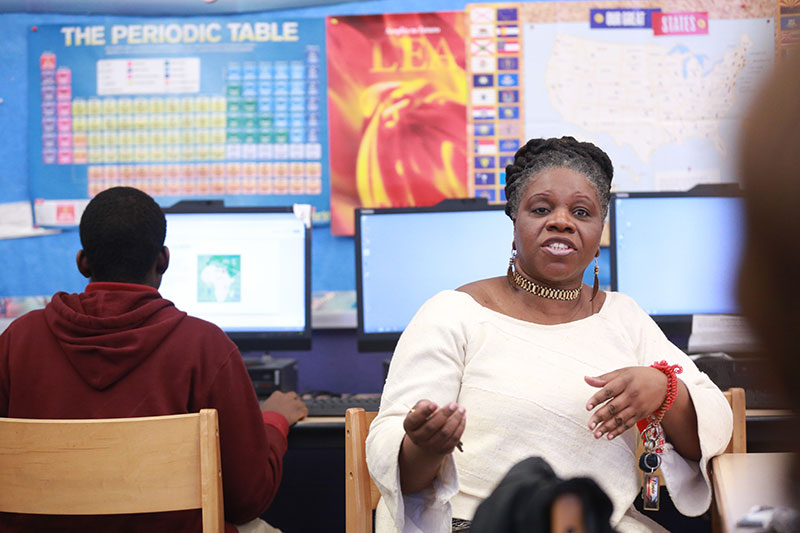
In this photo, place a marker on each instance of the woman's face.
(557, 227)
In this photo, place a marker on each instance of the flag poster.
(397, 112)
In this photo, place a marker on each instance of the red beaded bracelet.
(672, 393)
(672, 388)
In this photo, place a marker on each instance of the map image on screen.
(219, 278)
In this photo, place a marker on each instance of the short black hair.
(565, 152)
(122, 232)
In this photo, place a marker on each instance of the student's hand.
(286, 403)
(626, 396)
(436, 430)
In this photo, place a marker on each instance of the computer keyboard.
(327, 406)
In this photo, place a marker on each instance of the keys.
(649, 462)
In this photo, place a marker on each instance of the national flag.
(485, 193)
(507, 14)
(789, 37)
(485, 161)
(481, 14)
(483, 112)
(509, 145)
(508, 80)
(481, 30)
(508, 30)
(509, 112)
(508, 129)
(787, 24)
(507, 63)
(506, 160)
(482, 47)
(509, 96)
(483, 129)
(482, 80)
(482, 65)
(484, 178)
(508, 46)
(483, 97)
(485, 147)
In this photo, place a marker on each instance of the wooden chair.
(361, 493)
(113, 466)
(738, 442)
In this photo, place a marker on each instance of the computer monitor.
(404, 256)
(677, 253)
(245, 269)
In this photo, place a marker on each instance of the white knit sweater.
(523, 389)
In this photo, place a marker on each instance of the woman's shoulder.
(486, 292)
(621, 305)
(446, 299)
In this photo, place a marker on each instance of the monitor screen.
(677, 253)
(244, 269)
(406, 255)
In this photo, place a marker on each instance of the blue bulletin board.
(229, 108)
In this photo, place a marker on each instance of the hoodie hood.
(110, 329)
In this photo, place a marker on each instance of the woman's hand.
(435, 430)
(431, 434)
(627, 395)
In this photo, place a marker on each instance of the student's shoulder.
(205, 330)
(27, 322)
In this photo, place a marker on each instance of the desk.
(311, 496)
(742, 480)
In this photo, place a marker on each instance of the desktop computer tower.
(270, 374)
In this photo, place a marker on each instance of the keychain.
(649, 462)
(653, 437)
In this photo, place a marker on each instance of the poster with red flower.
(397, 100)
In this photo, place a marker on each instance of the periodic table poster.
(230, 108)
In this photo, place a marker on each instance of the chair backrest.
(113, 466)
(361, 494)
(738, 442)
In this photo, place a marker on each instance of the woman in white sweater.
(540, 365)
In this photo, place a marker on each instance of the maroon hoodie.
(120, 350)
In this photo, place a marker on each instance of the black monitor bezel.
(386, 342)
(258, 340)
(676, 327)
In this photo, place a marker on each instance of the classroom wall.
(41, 266)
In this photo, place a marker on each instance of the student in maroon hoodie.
(120, 350)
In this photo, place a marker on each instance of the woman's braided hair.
(566, 152)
